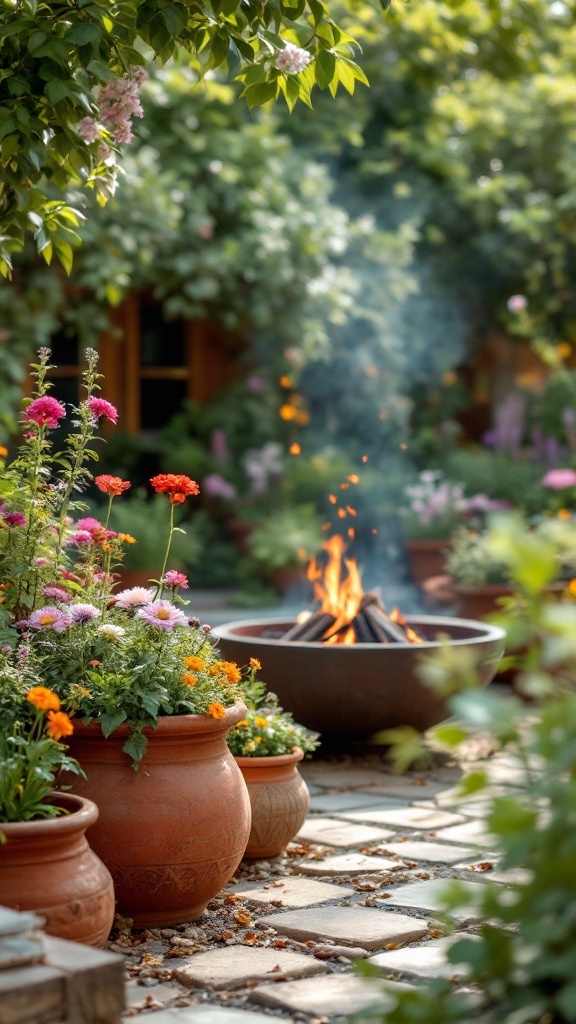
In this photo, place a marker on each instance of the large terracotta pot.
(477, 602)
(279, 798)
(173, 832)
(426, 558)
(47, 866)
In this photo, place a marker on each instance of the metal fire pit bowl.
(354, 691)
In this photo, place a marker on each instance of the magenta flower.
(44, 411)
(89, 523)
(49, 617)
(164, 615)
(100, 407)
(134, 598)
(559, 478)
(516, 303)
(80, 537)
(175, 579)
(83, 612)
(15, 519)
(41, 561)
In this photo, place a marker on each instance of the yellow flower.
(80, 690)
(127, 538)
(194, 662)
(216, 710)
(189, 680)
(255, 664)
(257, 740)
(250, 746)
(215, 669)
(59, 725)
(43, 698)
(563, 513)
(260, 722)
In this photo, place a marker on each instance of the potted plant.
(267, 745)
(46, 864)
(141, 678)
(436, 508)
(281, 543)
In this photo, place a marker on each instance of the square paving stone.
(333, 803)
(332, 832)
(295, 892)
(425, 961)
(352, 925)
(398, 786)
(207, 1013)
(430, 853)
(472, 833)
(337, 995)
(235, 965)
(405, 817)
(427, 898)
(332, 777)
(346, 864)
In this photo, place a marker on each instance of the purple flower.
(255, 383)
(164, 615)
(216, 486)
(100, 407)
(15, 519)
(80, 537)
(176, 579)
(559, 478)
(134, 598)
(83, 612)
(55, 592)
(49, 617)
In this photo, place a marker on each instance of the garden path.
(360, 882)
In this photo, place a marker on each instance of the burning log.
(382, 625)
(313, 628)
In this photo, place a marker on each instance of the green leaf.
(84, 32)
(56, 90)
(257, 95)
(111, 722)
(325, 65)
(135, 746)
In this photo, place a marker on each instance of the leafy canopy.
(55, 57)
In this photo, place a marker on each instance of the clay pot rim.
(269, 760)
(476, 631)
(83, 813)
(173, 726)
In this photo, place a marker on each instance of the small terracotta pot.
(279, 798)
(173, 832)
(426, 558)
(47, 866)
(477, 602)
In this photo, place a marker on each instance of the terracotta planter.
(426, 558)
(477, 602)
(47, 866)
(173, 832)
(279, 798)
(128, 578)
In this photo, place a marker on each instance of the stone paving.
(362, 881)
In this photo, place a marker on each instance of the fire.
(344, 613)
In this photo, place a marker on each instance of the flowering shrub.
(126, 657)
(267, 729)
(437, 506)
(31, 756)
(474, 561)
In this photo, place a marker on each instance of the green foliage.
(55, 61)
(286, 537)
(522, 964)
(145, 519)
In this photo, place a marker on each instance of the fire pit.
(353, 690)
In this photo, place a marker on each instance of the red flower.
(177, 486)
(111, 484)
(44, 411)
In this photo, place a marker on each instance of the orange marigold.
(260, 722)
(177, 486)
(215, 669)
(231, 671)
(59, 725)
(194, 662)
(43, 698)
(189, 680)
(216, 710)
(255, 664)
(111, 484)
(127, 538)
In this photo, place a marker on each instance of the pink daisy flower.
(175, 579)
(559, 478)
(80, 537)
(44, 411)
(100, 407)
(49, 617)
(164, 615)
(55, 592)
(15, 519)
(134, 598)
(41, 562)
(83, 612)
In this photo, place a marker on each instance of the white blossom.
(293, 59)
